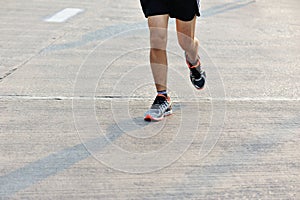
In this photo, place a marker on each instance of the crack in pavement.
(18, 66)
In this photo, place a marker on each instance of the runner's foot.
(161, 107)
(197, 75)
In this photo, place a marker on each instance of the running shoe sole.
(150, 118)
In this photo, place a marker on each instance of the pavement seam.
(176, 99)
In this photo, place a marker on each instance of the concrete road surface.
(75, 81)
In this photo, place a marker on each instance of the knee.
(158, 39)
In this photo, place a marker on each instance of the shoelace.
(160, 103)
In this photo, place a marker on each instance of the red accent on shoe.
(161, 95)
(150, 118)
(193, 66)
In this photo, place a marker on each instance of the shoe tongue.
(195, 73)
(160, 98)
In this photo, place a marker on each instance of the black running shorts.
(184, 10)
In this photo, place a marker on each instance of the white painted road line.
(64, 15)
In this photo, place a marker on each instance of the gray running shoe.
(161, 107)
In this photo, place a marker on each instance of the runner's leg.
(158, 26)
(186, 38)
(190, 44)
